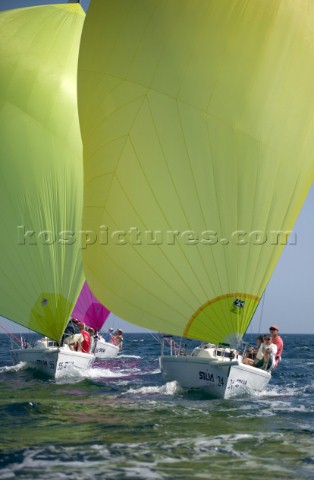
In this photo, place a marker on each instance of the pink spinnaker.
(89, 310)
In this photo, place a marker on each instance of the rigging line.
(155, 337)
(262, 309)
(262, 302)
(18, 340)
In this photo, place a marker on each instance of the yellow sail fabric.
(41, 176)
(198, 137)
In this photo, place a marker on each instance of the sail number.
(239, 382)
(210, 377)
(64, 365)
(46, 364)
(51, 365)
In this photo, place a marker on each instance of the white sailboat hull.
(55, 362)
(220, 379)
(105, 350)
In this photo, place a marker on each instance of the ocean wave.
(14, 368)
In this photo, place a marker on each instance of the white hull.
(220, 378)
(105, 350)
(55, 362)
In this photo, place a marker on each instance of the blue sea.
(121, 421)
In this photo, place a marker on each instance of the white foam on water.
(6, 474)
(105, 373)
(120, 371)
(277, 391)
(33, 462)
(122, 355)
(221, 443)
(36, 462)
(170, 388)
(77, 375)
(154, 372)
(141, 471)
(13, 368)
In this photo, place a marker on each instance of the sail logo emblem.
(237, 303)
(44, 302)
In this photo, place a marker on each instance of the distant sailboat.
(41, 179)
(91, 312)
(198, 134)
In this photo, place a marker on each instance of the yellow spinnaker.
(198, 135)
(41, 179)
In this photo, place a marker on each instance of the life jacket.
(85, 344)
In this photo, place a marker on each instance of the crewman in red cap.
(72, 335)
(277, 340)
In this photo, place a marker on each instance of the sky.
(8, 4)
(289, 297)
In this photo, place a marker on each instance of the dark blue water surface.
(121, 421)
